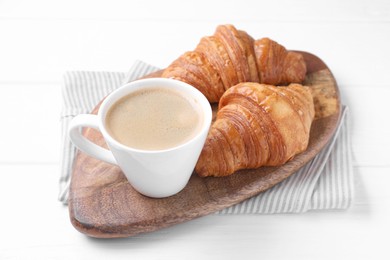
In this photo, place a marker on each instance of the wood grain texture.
(103, 204)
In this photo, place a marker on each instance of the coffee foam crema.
(154, 119)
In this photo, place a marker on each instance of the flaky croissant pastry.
(257, 125)
(230, 57)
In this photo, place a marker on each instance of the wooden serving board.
(103, 204)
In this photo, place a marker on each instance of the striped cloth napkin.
(326, 182)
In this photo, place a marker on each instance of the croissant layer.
(232, 56)
(257, 125)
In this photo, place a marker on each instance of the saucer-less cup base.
(159, 173)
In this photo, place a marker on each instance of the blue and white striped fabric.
(326, 182)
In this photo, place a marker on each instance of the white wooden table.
(40, 40)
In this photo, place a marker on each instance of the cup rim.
(152, 83)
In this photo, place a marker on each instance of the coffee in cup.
(154, 119)
(155, 130)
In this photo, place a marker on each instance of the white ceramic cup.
(159, 173)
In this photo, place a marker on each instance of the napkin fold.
(326, 182)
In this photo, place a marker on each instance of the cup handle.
(94, 150)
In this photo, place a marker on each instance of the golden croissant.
(257, 125)
(231, 56)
